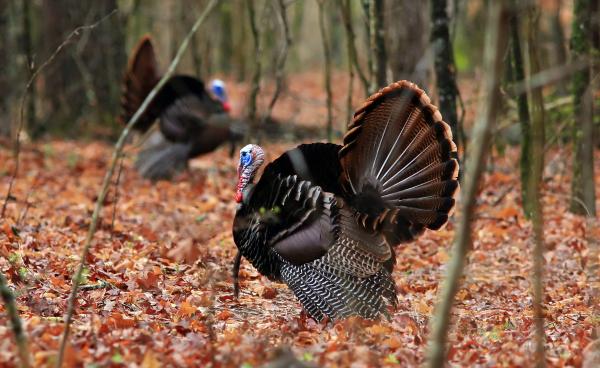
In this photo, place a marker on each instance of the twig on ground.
(100, 285)
(502, 194)
(107, 178)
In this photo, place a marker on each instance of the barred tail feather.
(398, 162)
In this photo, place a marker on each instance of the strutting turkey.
(192, 121)
(323, 218)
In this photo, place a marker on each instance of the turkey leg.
(236, 274)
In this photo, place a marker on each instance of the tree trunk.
(593, 264)
(559, 52)
(101, 52)
(495, 46)
(225, 50)
(378, 45)
(34, 129)
(327, 75)
(583, 197)
(523, 108)
(444, 65)
(370, 40)
(240, 40)
(346, 10)
(408, 35)
(535, 185)
(257, 61)
(6, 64)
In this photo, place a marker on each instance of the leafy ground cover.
(158, 291)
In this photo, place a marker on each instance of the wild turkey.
(192, 120)
(324, 218)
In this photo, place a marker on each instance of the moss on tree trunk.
(583, 196)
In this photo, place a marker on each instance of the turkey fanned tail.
(141, 76)
(324, 218)
(398, 163)
(161, 159)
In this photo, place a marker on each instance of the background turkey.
(193, 121)
(323, 218)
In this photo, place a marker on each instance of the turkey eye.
(245, 158)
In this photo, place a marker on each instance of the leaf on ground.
(186, 251)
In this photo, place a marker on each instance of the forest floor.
(158, 289)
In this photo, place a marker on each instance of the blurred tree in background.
(78, 94)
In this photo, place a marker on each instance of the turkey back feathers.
(398, 163)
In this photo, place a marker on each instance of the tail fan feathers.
(162, 160)
(398, 163)
(141, 76)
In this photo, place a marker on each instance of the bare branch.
(486, 116)
(107, 178)
(549, 76)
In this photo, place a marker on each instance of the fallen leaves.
(186, 251)
(149, 278)
(158, 290)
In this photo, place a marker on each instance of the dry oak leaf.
(185, 251)
(149, 279)
(150, 360)
(186, 310)
(269, 293)
(117, 320)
